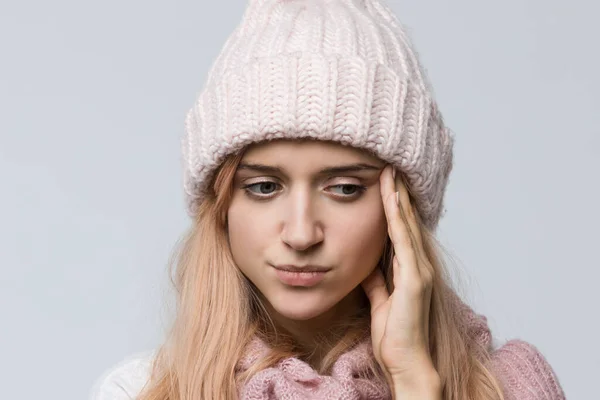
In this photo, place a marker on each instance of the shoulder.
(124, 380)
(524, 372)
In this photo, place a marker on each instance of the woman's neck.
(309, 334)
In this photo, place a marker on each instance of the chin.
(300, 309)
(299, 314)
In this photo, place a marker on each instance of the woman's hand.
(400, 321)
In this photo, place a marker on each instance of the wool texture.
(333, 70)
(293, 378)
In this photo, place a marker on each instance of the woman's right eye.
(265, 188)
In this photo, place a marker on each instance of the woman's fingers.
(409, 214)
(425, 268)
(411, 271)
(397, 228)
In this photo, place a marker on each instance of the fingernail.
(397, 198)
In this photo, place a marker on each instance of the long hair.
(218, 312)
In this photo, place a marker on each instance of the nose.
(302, 228)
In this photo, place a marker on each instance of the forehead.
(318, 152)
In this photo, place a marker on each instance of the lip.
(306, 268)
(300, 277)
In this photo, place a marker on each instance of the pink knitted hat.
(335, 70)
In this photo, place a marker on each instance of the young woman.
(316, 163)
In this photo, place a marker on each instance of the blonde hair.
(218, 312)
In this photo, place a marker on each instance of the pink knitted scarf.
(295, 379)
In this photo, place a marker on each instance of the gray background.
(93, 97)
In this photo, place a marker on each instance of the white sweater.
(125, 380)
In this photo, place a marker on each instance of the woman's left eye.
(349, 189)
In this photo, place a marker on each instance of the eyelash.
(360, 189)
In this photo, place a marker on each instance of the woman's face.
(289, 208)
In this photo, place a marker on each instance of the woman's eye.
(265, 188)
(348, 190)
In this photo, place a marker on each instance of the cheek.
(360, 237)
(248, 234)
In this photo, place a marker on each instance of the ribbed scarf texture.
(293, 378)
(521, 369)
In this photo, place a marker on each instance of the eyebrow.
(340, 169)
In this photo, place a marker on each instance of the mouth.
(306, 268)
(304, 277)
